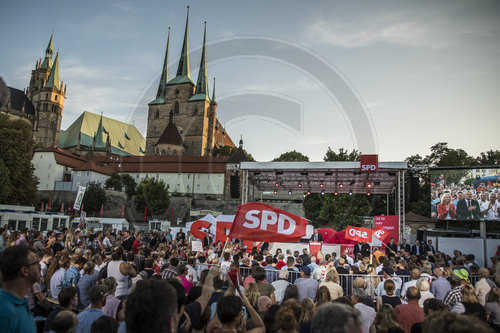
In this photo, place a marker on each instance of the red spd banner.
(369, 163)
(260, 222)
(380, 234)
(359, 234)
(315, 247)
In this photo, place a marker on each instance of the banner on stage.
(262, 222)
(315, 247)
(389, 223)
(196, 246)
(358, 234)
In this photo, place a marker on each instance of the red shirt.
(136, 246)
(280, 264)
(409, 314)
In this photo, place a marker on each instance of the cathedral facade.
(182, 119)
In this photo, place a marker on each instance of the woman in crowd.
(493, 308)
(113, 306)
(252, 293)
(332, 283)
(280, 285)
(229, 316)
(84, 283)
(423, 286)
(291, 292)
(306, 313)
(187, 281)
(322, 296)
(386, 320)
(470, 304)
(390, 297)
(372, 280)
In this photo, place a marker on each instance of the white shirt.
(406, 285)
(492, 213)
(367, 316)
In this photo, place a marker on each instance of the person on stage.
(316, 237)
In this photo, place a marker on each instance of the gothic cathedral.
(182, 119)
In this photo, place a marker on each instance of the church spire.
(99, 142)
(213, 95)
(49, 51)
(201, 92)
(160, 95)
(183, 69)
(54, 81)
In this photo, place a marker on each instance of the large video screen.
(465, 194)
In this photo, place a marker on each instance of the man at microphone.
(316, 237)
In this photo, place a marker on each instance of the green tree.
(154, 194)
(292, 156)
(16, 146)
(4, 182)
(312, 205)
(341, 210)
(229, 150)
(491, 157)
(130, 185)
(114, 182)
(342, 155)
(94, 198)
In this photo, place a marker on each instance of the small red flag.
(123, 211)
(42, 207)
(145, 212)
(102, 210)
(61, 210)
(49, 205)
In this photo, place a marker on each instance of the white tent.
(103, 222)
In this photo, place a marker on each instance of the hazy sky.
(420, 72)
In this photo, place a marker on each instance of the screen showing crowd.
(465, 194)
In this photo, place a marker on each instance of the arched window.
(195, 112)
(176, 108)
(175, 152)
(176, 92)
(163, 152)
(157, 114)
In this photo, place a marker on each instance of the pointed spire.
(241, 141)
(99, 142)
(213, 95)
(160, 95)
(183, 69)
(54, 80)
(49, 51)
(201, 92)
(171, 116)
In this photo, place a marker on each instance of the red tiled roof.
(93, 166)
(221, 136)
(64, 157)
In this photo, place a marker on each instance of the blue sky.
(423, 72)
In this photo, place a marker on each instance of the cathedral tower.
(47, 94)
(179, 102)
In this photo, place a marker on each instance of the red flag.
(70, 208)
(171, 214)
(123, 211)
(359, 234)
(81, 208)
(260, 222)
(49, 205)
(102, 210)
(42, 207)
(145, 212)
(61, 210)
(380, 234)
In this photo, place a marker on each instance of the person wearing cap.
(307, 287)
(97, 296)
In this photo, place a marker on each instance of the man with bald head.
(411, 313)
(468, 208)
(64, 321)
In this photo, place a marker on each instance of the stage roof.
(288, 175)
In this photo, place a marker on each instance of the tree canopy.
(292, 156)
(94, 198)
(342, 155)
(117, 182)
(154, 194)
(18, 184)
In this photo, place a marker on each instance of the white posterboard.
(197, 246)
(79, 198)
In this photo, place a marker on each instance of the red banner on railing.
(261, 222)
(359, 234)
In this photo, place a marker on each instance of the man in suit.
(467, 208)
(417, 249)
(391, 246)
(429, 248)
(403, 246)
(357, 248)
(316, 237)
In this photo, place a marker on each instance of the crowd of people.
(136, 281)
(477, 201)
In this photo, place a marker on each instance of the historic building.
(42, 103)
(182, 119)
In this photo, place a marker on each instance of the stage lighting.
(350, 192)
(275, 192)
(299, 185)
(308, 193)
(322, 192)
(335, 193)
(369, 185)
(321, 185)
(289, 192)
(341, 185)
(276, 184)
(368, 194)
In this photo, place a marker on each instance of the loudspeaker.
(235, 187)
